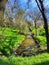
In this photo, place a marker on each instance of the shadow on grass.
(5, 62)
(43, 63)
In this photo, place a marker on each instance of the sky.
(23, 3)
(32, 4)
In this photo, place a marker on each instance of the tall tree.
(2, 8)
(42, 10)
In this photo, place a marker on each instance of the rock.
(27, 47)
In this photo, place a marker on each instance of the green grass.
(41, 59)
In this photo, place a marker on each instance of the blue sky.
(23, 3)
(32, 4)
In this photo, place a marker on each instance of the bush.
(41, 40)
(9, 41)
(41, 31)
(33, 30)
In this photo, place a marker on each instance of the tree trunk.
(46, 30)
(2, 7)
(42, 10)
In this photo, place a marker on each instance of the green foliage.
(41, 40)
(9, 40)
(41, 31)
(33, 30)
(42, 59)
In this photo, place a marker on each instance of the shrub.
(41, 31)
(9, 41)
(41, 40)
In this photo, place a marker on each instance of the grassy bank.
(42, 59)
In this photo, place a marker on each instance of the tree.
(42, 10)
(20, 22)
(2, 8)
(2, 4)
(35, 18)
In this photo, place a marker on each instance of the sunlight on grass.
(41, 59)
